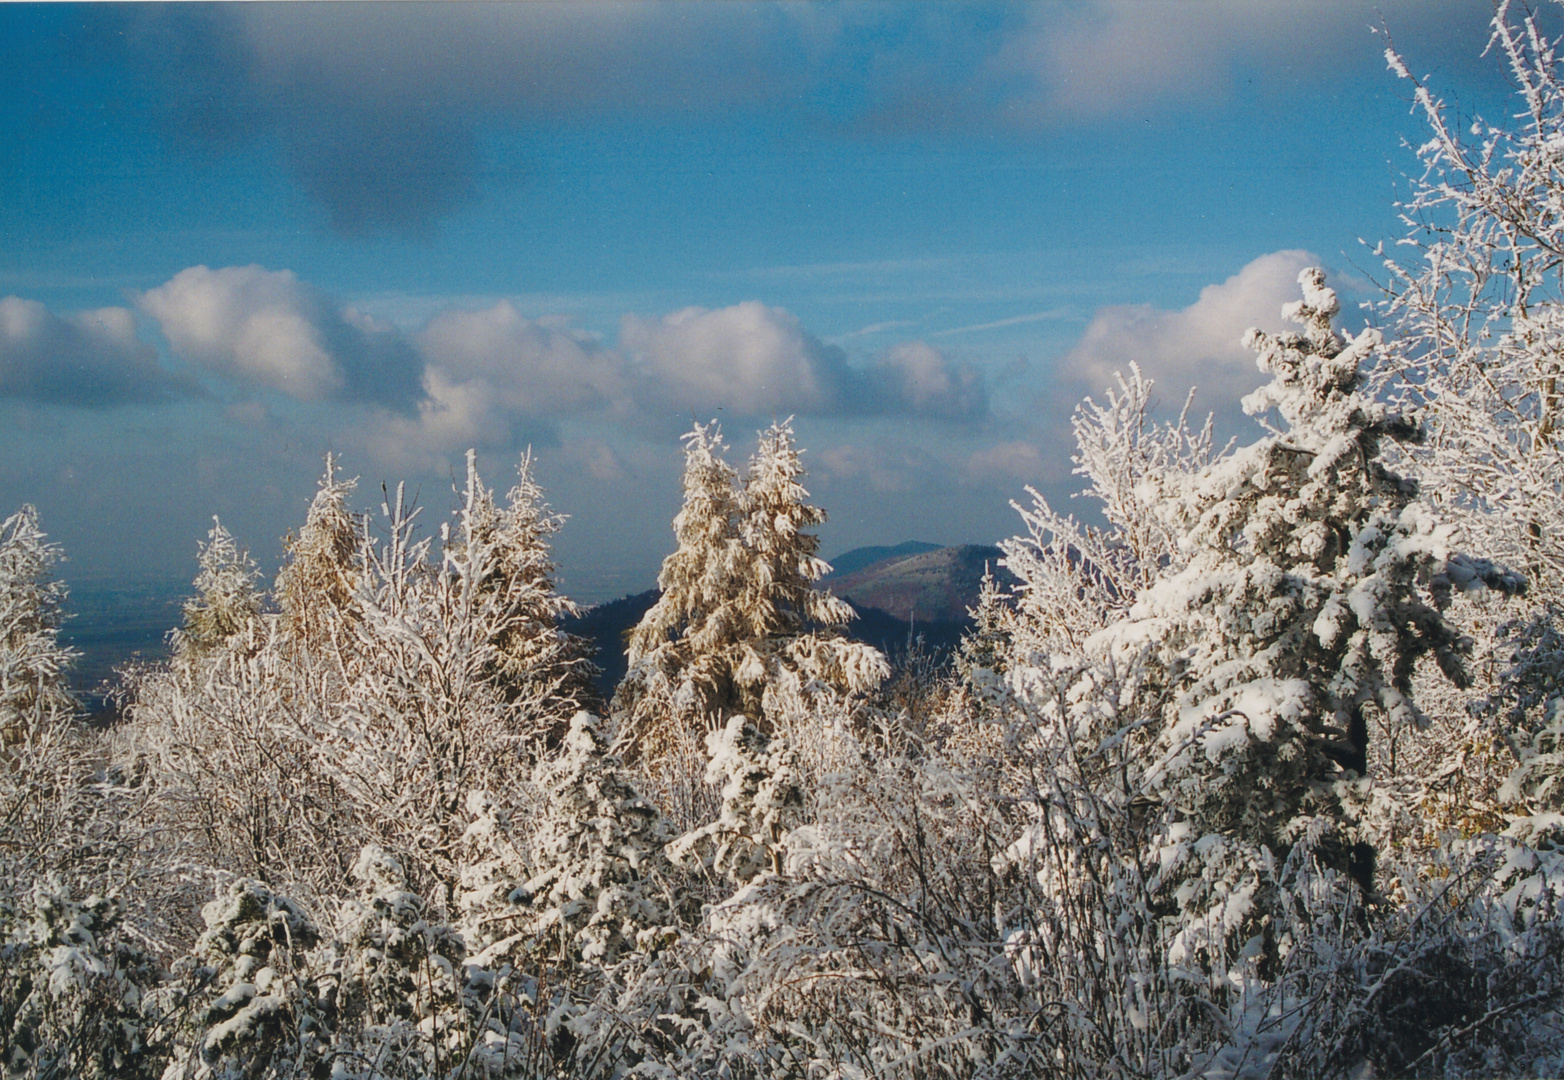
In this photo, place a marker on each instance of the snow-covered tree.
(36, 706)
(226, 598)
(599, 886)
(34, 695)
(739, 617)
(1312, 585)
(1475, 294)
(501, 554)
(317, 583)
(1076, 577)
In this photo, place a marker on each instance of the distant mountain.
(930, 586)
(850, 561)
(608, 626)
(912, 590)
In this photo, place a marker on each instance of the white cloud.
(916, 377)
(749, 359)
(1112, 56)
(250, 324)
(89, 358)
(1201, 345)
(487, 369)
(267, 328)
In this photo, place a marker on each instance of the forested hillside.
(1260, 776)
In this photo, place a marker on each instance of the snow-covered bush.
(73, 991)
(599, 886)
(282, 747)
(761, 800)
(253, 1008)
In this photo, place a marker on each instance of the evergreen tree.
(226, 599)
(1313, 584)
(323, 571)
(501, 555)
(739, 627)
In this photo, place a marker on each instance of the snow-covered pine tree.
(501, 554)
(674, 673)
(1313, 582)
(739, 618)
(795, 630)
(317, 583)
(226, 599)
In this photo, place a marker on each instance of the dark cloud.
(379, 109)
(91, 359)
(382, 110)
(376, 173)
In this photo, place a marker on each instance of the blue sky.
(237, 237)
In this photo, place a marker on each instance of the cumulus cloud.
(268, 328)
(751, 360)
(487, 369)
(90, 358)
(495, 377)
(915, 377)
(1199, 345)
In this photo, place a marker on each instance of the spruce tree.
(1313, 584)
(226, 599)
(739, 621)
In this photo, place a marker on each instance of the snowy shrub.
(282, 745)
(1475, 297)
(254, 1009)
(599, 885)
(73, 991)
(761, 799)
